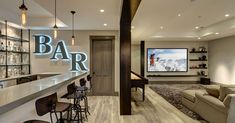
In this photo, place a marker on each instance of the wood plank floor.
(105, 109)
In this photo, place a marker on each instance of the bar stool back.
(82, 82)
(42, 108)
(71, 88)
(88, 78)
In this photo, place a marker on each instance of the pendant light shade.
(55, 28)
(23, 9)
(73, 37)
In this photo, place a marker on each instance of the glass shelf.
(13, 38)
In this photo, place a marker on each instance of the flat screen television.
(167, 59)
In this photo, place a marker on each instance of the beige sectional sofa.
(215, 103)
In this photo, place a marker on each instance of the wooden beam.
(134, 6)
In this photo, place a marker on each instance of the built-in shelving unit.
(14, 51)
(198, 61)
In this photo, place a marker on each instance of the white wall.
(175, 44)
(222, 60)
(135, 58)
(42, 64)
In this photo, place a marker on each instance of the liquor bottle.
(1, 46)
(9, 46)
(1, 59)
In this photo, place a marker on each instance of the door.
(102, 67)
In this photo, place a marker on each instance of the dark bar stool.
(49, 104)
(58, 107)
(73, 94)
(83, 89)
(36, 121)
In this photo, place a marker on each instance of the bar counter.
(14, 96)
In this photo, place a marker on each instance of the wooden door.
(102, 67)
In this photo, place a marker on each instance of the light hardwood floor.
(105, 109)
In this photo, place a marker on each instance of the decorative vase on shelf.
(203, 57)
(193, 49)
(202, 49)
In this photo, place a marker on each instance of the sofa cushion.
(190, 94)
(228, 100)
(213, 90)
(212, 101)
(225, 90)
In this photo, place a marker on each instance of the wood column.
(142, 49)
(129, 8)
(125, 59)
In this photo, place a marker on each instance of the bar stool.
(73, 94)
(48, 104)
(83, 89)
(36, 121)
(58, 107)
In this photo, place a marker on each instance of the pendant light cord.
(73, 23)
(55, 12)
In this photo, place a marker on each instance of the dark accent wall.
(142, 45)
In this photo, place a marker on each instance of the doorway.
(102, 65)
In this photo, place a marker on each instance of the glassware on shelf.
(25, 70)
(25, 59)
(2, 72)
(2, 47)
(2, 59)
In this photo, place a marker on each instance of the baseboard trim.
(174, 82)
(114, 94)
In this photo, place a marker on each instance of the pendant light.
(73, 37)
(55, 26)
(23, 9)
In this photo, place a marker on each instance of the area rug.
(172, 93)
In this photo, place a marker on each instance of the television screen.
(167, 60)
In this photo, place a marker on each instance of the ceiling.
(159, 20)
(88, 16)
(155, 20)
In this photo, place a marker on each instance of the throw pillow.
(213, 90)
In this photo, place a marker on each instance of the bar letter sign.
(43, 47)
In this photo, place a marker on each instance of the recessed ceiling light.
(157, 36)
(217, 33)
(132, 27)
(101, 10)
(105, 24)
(226, 15)
(161, 27)
(197, 27)
(179, 15)
(199, 38)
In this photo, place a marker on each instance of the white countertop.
(14, 96)
(15, 77)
